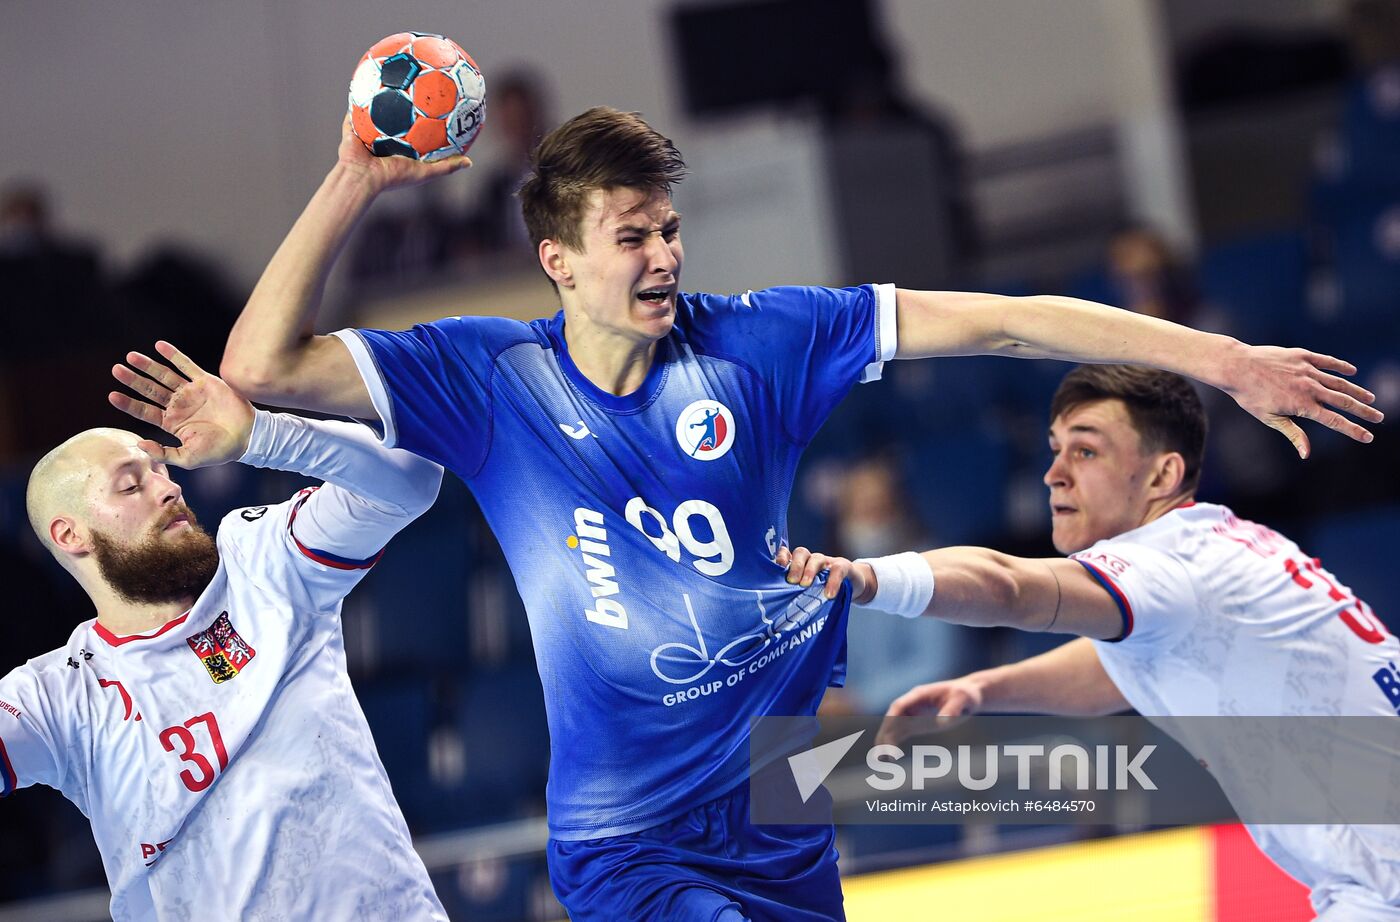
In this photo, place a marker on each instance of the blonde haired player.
(1183, 609)
(204, 721)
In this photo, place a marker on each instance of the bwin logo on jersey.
(591, 538)
(705, 430)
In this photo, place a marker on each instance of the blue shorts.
(708, 865)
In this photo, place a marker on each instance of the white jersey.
(223, 759)
(1224, 617)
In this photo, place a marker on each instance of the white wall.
(213, 122)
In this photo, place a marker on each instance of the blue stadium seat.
(1365, 256)
(1260, 283)
(399, 713)
(957, 478)
(500, 715)
(418, 591)
(1092, 284)
(1370, 131)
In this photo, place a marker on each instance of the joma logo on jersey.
(591, 538)
(221, 650)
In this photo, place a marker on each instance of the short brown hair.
(1164, 408)
(602, 148)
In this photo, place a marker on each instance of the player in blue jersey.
(634, 455)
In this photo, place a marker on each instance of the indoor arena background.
(1228, 165)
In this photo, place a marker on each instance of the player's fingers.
(151, 390)
(783, 556)
(911, 702)
(1350, 388)
(895, 729)
(448, 165)
(1340, 423)
(1291, 432)
(955, 705)
(153, 448)
(797, 560)
(815, 564)
(1330, 363)
(137, 408)
(184, 363)
(178, 456)
(1355, 407)
(836, 573)
(1349, 404)
(153, 369)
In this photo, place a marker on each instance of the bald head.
(59, 484)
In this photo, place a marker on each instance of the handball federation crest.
(705, 430)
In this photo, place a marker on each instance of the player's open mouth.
(176, 522)
(656, 296)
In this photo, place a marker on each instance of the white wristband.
(903, 584)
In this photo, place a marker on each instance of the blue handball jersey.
(641, 529)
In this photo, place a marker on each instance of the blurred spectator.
(870, 102)
(47, 275)
(517, 122)
(886, 654)
(407, 244)
(52, 322)
(176, 294)
(1147, 276)
(1373, 33)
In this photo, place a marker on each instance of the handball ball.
(419, 95)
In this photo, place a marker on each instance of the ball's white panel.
(465, 122)
(365, 82)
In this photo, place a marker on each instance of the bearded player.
(204, 721)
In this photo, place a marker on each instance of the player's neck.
(125, 618)
(1160, 507)
(612, 362)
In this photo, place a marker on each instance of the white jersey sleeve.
(371, 491)
(33, 747)
(1154, 593)
(272, 546)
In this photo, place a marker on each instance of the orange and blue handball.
(419, 95)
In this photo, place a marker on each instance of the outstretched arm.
(215, 425)
(978, 587)
(1068, 680)
(1272, 384)
(273, 354)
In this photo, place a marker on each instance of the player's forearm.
(394, 481)
(1068, 680)
(1075, 330)
(269, 344)
(985, 588)
(980, 587)
(935, 323)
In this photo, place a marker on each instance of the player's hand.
(212, 422)
(1276, 385)
(803, 566)
(940, 704)
(392, 172)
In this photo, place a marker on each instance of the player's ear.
(68, 536)
(555, 261)
(1168, 473)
